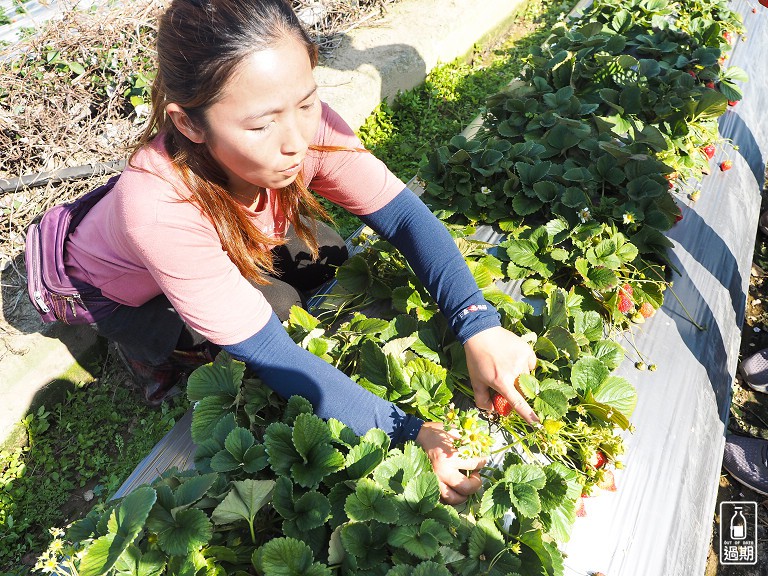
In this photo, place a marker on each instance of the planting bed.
(634, 315)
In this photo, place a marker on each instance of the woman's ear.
(184, 123)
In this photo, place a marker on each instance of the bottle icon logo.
(738, 524)
(738, 533)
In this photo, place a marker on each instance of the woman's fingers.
(450, 468)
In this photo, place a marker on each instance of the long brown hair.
(199, 45)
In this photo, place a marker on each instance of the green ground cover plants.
(418, 121)
(570, 162)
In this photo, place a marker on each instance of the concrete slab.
(373, 63)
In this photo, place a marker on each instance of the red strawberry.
(501, 405)
(709, 150)
(763, 3)
(627, 289)
(679, 216)
(754, 10)
(625, 304)
(607, 482)
(728, 37)
(710, 84)
(646, 309)
(580, 510)
(692, 73)
(671, 184)
(732, 102)
(726, 165)
(598, 460)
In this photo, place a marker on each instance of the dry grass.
(76, 91)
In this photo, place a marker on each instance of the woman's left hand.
(495, 359)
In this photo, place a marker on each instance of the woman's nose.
(293, 140)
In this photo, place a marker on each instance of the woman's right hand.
(455, 485)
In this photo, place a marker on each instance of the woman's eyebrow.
(260, 113)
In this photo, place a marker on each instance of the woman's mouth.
(292, 170)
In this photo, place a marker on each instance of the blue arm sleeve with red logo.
(290, 370)
(410, 226)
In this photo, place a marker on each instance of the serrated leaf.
(278, 441)
(609, 353)
(564, 341)
(551, 403)
(588, 373)
(321, 461)
(363, 459)
(589, 323)
(134, 563)
(529, 385)
(287, 557)
(243, 502)
(125, 523)
(357, 540)
(422, 541)
(617, 393)
(312, 510)
(496, 501)
(193, 489)
(207, 414)
(422, 493)
(370, 502)
(600, 279)
(190, 531)
(238, 442)
(354, 275)
(222, 377)
(524, 482)
(298, 316)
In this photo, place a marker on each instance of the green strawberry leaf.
(243, 502)
(190, 530)
(524, 482)
(422, 541)
(617, 393)
(588, 373)
(221, 378)
(125, 522)
(370, 502)
(287, 557)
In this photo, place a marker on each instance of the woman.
(214, 206)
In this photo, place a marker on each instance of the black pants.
(150, 332)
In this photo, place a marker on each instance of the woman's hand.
(455, 485)
(495, 359)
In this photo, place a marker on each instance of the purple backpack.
(53, 293)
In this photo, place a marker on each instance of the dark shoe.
(746, 459)
(762, 223)
(754, 371)
(157, 383)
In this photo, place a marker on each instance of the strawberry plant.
(304, 496)
(578, 163)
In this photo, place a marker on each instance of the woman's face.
(261, 128)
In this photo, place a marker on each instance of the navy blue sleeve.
(410, 226)
(289, 370)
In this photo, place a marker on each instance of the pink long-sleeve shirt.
(142, 239)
